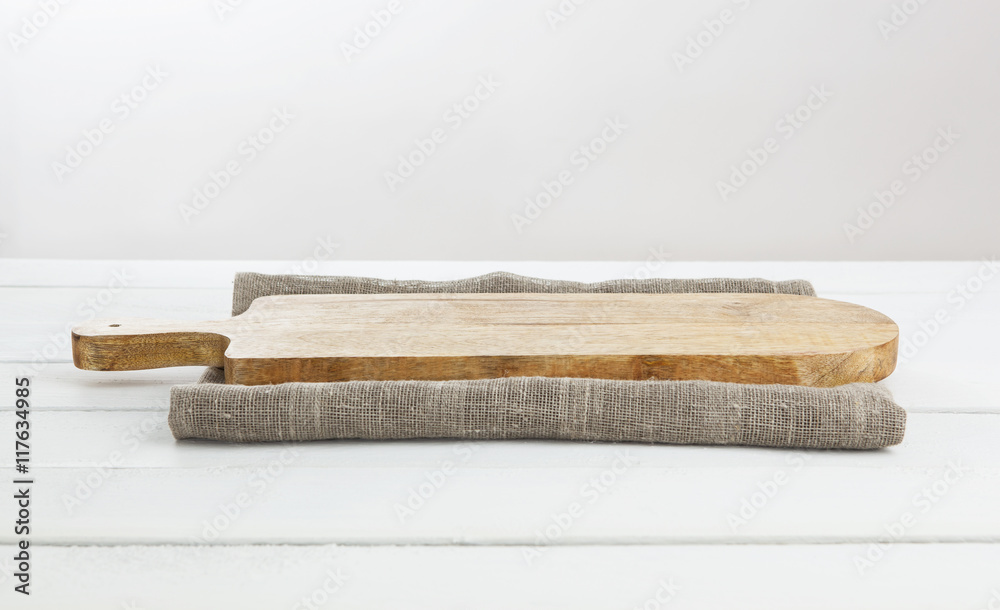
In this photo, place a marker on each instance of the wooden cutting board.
(747, 338)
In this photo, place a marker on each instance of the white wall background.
(655, 186)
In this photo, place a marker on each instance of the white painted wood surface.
(124, 516)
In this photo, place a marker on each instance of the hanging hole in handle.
(114, 325)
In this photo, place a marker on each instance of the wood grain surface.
(748, 338)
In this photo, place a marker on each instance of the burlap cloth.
(853, 416)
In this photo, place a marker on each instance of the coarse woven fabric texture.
(855, 416)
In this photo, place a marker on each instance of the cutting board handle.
(130, 344)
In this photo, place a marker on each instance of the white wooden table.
(123, 516)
